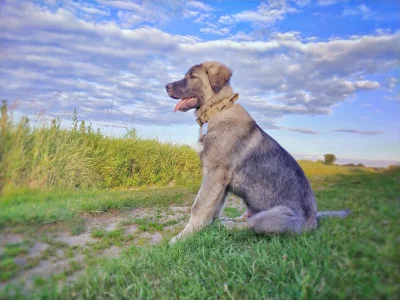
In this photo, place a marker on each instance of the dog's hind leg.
(279, 219)
(235, 225)
(242, 218)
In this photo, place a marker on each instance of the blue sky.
(319, 76)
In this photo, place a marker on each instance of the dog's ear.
(218, 74)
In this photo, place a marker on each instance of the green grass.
(356, 257)
(12, 250)
(8, 268)
(148, 224)
(53, 156)
(351, 258)
(232, 212)
(48, 156)
(112, 238)
(46, 207)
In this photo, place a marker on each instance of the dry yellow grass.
(312, 168)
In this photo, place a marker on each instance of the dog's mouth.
(186, 104)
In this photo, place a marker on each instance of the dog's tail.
(333, 213)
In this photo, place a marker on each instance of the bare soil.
(56, 252)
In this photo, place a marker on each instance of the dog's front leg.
(206, 207)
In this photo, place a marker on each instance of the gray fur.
(239, 157)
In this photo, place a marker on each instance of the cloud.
(267, 13)
(217, 31)
(361, 10)
(134, 13)
(301, 130)
(329, 2)
(391, 83)
(199, 5)
(355, 131)
(366, 85)
(115, 72)
(198, 11)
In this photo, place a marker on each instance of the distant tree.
(350, 165)
(393, 167)
(329, 159)
(360, 165)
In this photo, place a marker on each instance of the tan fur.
(211, 197)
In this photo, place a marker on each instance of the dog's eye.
(193, 77)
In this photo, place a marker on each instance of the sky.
(318, 76)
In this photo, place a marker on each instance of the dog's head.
(200, 84)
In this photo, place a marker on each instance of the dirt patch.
(152, 238)
(10, 238)
(37, 249)
(108, 222)
(54, 251)
(113, 251)
(74, 240)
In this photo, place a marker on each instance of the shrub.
(329, 159)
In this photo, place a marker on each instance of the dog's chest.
(199, 146)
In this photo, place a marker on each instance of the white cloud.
(391, 83)
(199, 5)
(361, 10)
(367, 85)
(198, 11)
(328, 2)
(217, 31)
(267, 13)
(106, 69)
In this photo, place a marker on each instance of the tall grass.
(51, 156)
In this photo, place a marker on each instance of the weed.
(147, 224)
(12, 250)
(232, 212)
(98, 233)
(8, 268)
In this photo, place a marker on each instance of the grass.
(355, 257)
(48, 156)
(147, 224)
(351, 258)
(312, 168)
(232, 212)
(8, 268)
(54, 156)
(12, 250)
(46, 207)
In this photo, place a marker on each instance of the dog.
(239, 157)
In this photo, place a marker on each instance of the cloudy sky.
(320, 76)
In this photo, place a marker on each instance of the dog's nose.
(168, 87)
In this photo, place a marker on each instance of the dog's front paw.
(175, 239)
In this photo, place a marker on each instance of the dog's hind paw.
(230, 225)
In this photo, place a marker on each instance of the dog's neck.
(225, 93)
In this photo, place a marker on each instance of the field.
(113, 244)
(85, 217)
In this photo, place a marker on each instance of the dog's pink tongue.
(181, 103)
